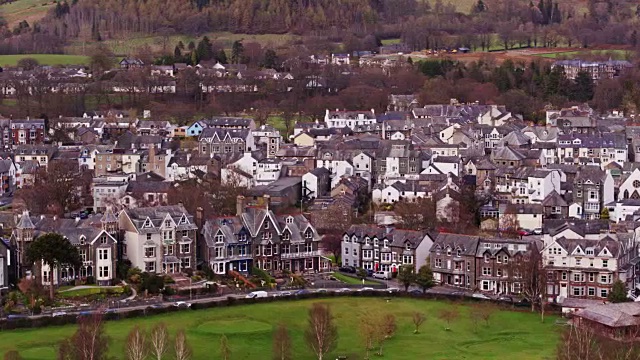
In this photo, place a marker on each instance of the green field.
(45, 59)
(351, 280)
(510, 335)
(29, 10)
(125, 47)
(614, 54)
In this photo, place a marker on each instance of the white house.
(350, 119)
(316, 183)
(630, 187)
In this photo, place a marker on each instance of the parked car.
(157, 306)
(301, 292)
(480, 296)
(392, 290)
(347, 269)
(524, 232)
(58, 313)
(369, 272)
(343, 290)
(504, 298)
(182, 304)
(367, 289)
(382, 275)
(322, 291)
(415, 292)
(537, 231)
(285, 293)
(257, 294)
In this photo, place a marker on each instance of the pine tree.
(618, 292)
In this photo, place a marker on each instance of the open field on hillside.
(29, 10)
(513, 335)
(615, 54)
(123, 47)
(45, 59)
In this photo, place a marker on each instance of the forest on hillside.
(419, 23)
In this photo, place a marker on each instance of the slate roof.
(613, 315)
(468, 244)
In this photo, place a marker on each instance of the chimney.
(267, 201)
(199, 216)
(239, 205)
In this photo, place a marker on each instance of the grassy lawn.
(30, 10)
(89, 291)
(510, 335)
(390, 41)
(45, 59)
(351, 280)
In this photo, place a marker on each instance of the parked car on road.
(367, 289)
(58, 313)
(480, 296)
(386, 275)
(537, 231)
(257, 294)
(347, 269)
(182, 304)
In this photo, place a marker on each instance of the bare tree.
(90, 342)
(182, 348)
(159, 339)
(449, 315)
(368, 331)
(281, 343)
(225, 349)
(386, 329)
(321, 334)
(418, 320)
(530, 270)
(579, 343)
(486, 311)
(137, 347)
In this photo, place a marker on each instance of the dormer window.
(375, 242)
(308, 234)
(408, 246)
(448, 251)
(147, 223)
(183, 220)
(82, 240)
(242, 237)
(266, 224)
(167, 223)
(589, 251)
(458, 252)
(103, 239)
(219, 238)
(289, 220)
(286, 236)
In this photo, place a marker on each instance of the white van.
(257, 294)
(382, 275)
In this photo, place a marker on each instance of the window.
(308, 234)
(219, 238)
(289, 220)
(185, 248)
(592, 277)
(505, 259)
(286, 236)
(468, 266)
(589, 251)
(591, 291)
(167, 223)
(150, 266)
(266, 224)
(578, 277)
(578, 291)
(564, 275)
(438, 263)
(103, 271)
(499, 272)
(448, 251)
(487, 258)
(355, 252)
(185, 262)
(486, 271)
(103, 254)
(149, 251)
(458, 252)
(346, 251)
(148, 236)
(578, 261)
(604, 279)
(605, 263)
(603, 293)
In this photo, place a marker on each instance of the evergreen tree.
(237, 50)
(582, 88)
(204, 49)
(406, 276)
(479, 7)
(177, 53)
(556, 17)
(270, 59)
(221, 57)
(618, 292)
(424, 278)
(604, 214)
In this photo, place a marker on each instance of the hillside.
(27, 10)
